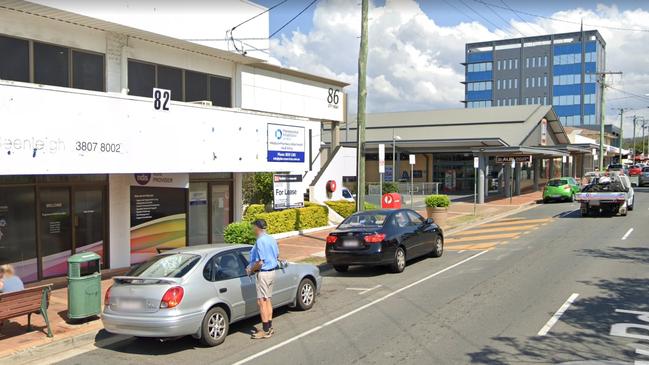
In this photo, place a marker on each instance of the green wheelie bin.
(84, 285)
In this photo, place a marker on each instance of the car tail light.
(331, 239)
(107, 296)
(172, 297)
(374, 238)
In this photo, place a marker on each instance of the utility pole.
(644, 125)
(360, 115)
(621, 134)
(601, 80)
(634, 120)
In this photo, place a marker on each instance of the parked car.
(347, 195)
(199, 291)
(635, 170)
(643, 179)
(383, 237)
(563, 188)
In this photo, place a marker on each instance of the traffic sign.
(412, 159)
(381, 158)
(476, 162)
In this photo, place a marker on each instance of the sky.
(416, 47)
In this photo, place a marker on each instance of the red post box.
(391, 201)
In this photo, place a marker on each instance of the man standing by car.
(263, 261)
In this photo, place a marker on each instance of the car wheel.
(399, 263)
(438, 250)
(632, 204)
(215, 327)
(341, 268)
(572, 197)
(305, 295)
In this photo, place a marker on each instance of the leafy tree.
(258, 188)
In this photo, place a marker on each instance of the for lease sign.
(287, 191)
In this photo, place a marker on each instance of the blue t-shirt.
(265, 249)
(11, 284)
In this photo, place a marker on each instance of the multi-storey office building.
(93, 159)
(557, 69)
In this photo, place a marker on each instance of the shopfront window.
(55, 230)
(87, 71)
(210, 208)
(141, 78)
(198, 215)
(51, 65)
(171, 78)
(18, 231)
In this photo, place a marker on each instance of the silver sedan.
(199, 291)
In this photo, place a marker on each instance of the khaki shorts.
(265, 281)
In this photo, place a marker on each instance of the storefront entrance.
(44, 220)
(210, 207)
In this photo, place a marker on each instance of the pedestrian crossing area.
(489, 235)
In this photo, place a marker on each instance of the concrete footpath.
(19, 347)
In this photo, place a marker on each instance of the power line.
(565, 20)
(293, 18)
(460, 11)
(483, 17)
(520, 17)
(258, 15)
(504, 20)
(643, 97)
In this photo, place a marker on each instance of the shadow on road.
(589, 322)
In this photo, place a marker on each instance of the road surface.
(542, 286)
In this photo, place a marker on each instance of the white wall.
(187, 138)
(189, 19)
(119, 227)
(284, 94)
(342, 164)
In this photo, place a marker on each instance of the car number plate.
(130, 305)
(351, 243)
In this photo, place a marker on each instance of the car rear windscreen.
(166, 266)
(557, 182)
(364, 219)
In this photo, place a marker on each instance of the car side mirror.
(429, 221)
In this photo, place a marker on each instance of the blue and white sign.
(286, 143)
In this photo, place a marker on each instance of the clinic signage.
(160, 180)
(286, 143)
(287, 191)
(509, 159)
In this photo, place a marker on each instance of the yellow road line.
(495, 229)
(510, 219)
(476, 246)
(482, 237)
(522, 222)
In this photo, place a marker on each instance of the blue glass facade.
(479, 76)
(574, 75)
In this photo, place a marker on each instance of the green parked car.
(563, 188)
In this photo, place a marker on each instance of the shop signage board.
(120, 134)
(509, 159)
(544, 132)
(160, 180)
(287, 191)
(286, 143)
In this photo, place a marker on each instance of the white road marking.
(370, 289)
(461, 251)
(626, 235)
(351, 313)
(555, 318)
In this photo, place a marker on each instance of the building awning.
(539, 152)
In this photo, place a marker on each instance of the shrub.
(390, 187)
(239, 232)
(311, 216)
(438, 201)
(252, 211)
(342, 207)
(345, 208)
(258, 188)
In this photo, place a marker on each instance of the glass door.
(89, 221)
(220, 208)
(198, 210)
(55, 230)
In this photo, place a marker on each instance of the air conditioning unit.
(202, 102)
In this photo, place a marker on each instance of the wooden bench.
(30, 301)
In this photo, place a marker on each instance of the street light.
(394, 149)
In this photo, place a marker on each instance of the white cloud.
(414, 63)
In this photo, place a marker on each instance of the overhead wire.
(483, 17)
(520, 17)
(564, 20)
(505, 20)
(293, 18)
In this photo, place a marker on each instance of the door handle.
(223, 290)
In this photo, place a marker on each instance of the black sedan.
(383, 237)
